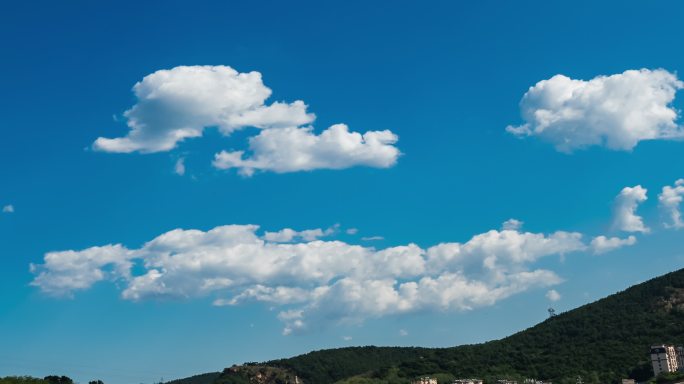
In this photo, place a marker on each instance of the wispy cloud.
(179, 168)
(372, 238)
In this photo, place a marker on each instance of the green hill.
(602, 342)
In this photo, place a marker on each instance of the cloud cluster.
(670, 200)
(287, 235)
(616, 111)
(313, 281)
(9, 208)
(624, 210)
(180, 103)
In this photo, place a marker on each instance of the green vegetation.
(35, 380)
(253, 373)
(21, 380)
(668, 378)
(204, 378)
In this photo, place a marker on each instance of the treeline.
(46, 380)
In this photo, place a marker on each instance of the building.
(425, 380)
(680, 358)
(664, 359)
(535, 381)
(506, 381)
(628, 381)
(467, 381)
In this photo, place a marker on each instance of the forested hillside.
(602, 342)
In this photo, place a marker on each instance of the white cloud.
(287, 235)
(603, 244)
(180, 103)
(9, 208)
(553, 295)
(64, 272)
(669, 201)
(346, 338)
(512, 224)
(300, 149)
(179, 168)
(313, 282)
(372, 238)
(624, 210)
(403, 332)
(352, 231)
(616, 111)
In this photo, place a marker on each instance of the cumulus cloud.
(624, 210)
(553, 295)
(603, 244)
(63, 273)
(300, 149)
(352, 231)
(313, 282)
(616, 111)
(9, 208)
(670, 200)
(181, 103)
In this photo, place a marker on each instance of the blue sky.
(443, 80)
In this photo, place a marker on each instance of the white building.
(467, 381)
(664, 359)
(506, 381)
(425, 380)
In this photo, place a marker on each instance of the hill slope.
(602, 341)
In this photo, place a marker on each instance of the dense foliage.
(204, 378)
(253, 373)
(21, 380)
(34, 380)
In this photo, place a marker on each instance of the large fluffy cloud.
(624, 210)
(616, 111)
(670, 200)
(313, 281)
(300, 149)
(180, 103)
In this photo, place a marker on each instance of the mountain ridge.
(602, 341)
